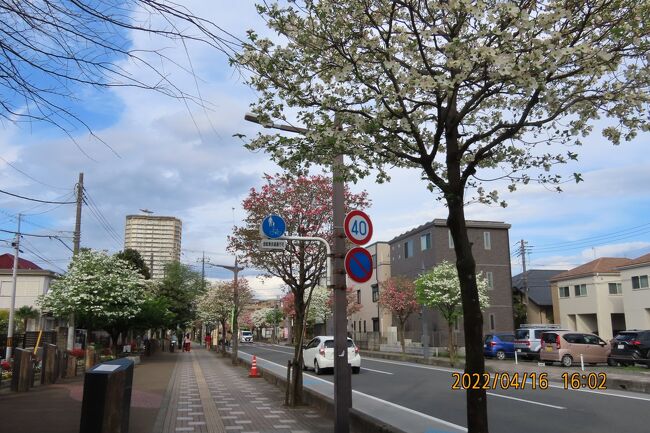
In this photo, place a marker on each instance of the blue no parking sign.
(358, 264)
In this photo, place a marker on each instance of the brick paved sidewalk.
(207, 394)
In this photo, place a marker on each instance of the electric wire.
(104, 221)
(30, 177)
(35, 199)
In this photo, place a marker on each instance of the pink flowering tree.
(305, 203)
(398, 296)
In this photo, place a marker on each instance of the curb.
(360, 422)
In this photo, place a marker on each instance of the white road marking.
(406, 409)
(376, 371)
(525, 401)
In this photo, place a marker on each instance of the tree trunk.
(295, 397)
(477, 420)
(401, 334)
(223, 337)
(234, 340)
(450, 344)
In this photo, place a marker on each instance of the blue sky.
(185, 162)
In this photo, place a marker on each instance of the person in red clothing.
(208, 341)
(186, 343)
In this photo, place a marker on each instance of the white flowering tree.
(259, 319)
(463, 91)
(439, 288)
(102, 291)
(215, 307)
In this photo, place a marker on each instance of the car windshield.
(521, 334)
(247, 333)
(628, 336)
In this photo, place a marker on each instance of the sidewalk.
(207, 394)
(172, 392)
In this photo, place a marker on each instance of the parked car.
(567, 346)
(629, 347)
(528, 339)
(499, 346)
(318, 354)
(246, 336)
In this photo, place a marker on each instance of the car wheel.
(317, 369)
(567, 360)
(611, 362)
(501, 355)
(356, 370)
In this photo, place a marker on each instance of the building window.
(640, 282)
(375, 324)
(564, 292)
(487, 241)
(358, 296)
(451, 240)
(374, 260)
(490, 280)
(492, 327)
(580, 290)
(615, 289)
(375, 292)
(408, 249)
(354, 325)
(364, 326)
(425, 242)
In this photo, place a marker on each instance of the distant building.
(604, 296)
(371, 318)
(540, 302)
(426, 246)
(31, 282)
(156, 238)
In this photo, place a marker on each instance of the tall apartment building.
(424, 247)
(156, 238)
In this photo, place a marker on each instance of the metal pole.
(14, 283)
(342, 379)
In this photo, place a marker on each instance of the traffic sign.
(358, 227)
(272, 245)
(272, 226)
(358, 264)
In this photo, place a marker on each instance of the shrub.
(5, 366)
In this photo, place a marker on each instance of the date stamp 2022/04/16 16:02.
(494, 381)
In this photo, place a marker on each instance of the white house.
(636, 292)
(32, 281)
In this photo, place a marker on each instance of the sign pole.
(342, 373)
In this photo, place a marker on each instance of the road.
(427, 389)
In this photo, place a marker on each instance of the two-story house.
(589, 298)
(635, 291)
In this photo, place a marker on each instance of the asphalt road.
(427, 389)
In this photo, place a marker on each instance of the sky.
(182, 160)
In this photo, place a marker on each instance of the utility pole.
(76, 242)
(522, 251)
(203, 271)
(342, 373)
(14, 283)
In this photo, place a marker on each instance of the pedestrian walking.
(186, 343)
(208, 341)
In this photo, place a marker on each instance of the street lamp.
(235, 270)
(342, 373)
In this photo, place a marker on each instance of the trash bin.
(107, 397)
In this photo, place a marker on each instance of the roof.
(441, 222)
(539, 287)
(7, 262)
(639, 261)
(603, 265)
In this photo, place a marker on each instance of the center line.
(376, 371)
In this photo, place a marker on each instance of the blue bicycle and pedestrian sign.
(272, 227)
(358, 264)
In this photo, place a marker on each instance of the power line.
(37, 200)
(103, 222)
(35, 251)
(597, 239)
(30, 177)
(35, 235)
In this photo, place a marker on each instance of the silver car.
(528, 339)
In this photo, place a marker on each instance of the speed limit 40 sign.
(358, 227)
